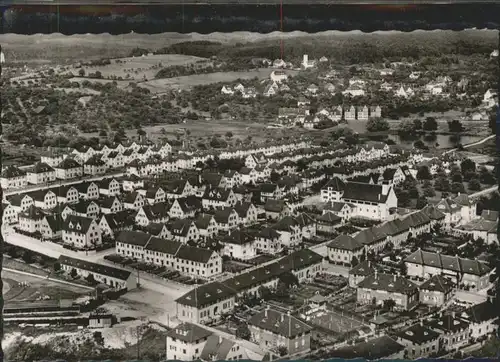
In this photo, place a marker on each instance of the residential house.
(30, 220)
(239, 245)
(186, 341)
(109, 187)
(272, 329)
(95, 166)
(268, 241)
(343, 210)
(152, 214)
(86, 208)
(473, 273)
(436, 291)
(219, 348)
(207, 226)
(51, 227)
(482, 319)
(328, 223)
(363, 113)
(183, 230)
(66, 194)
(81, 232)
(154, 195)
(133, 200)
(118, 279)
(350, 114)
(247, 212)
(110, 205)
(419, 341)
(360, 272)
(276, 209)
(13, 177)
(375, 112)
(132, 183)
(378, 287)
(185, 207)
(110, 224)
(278, 76)
(371, 201)
(88, 190)
(44, 199)
(290, 231)
(226, 219)
(383, 347)
(454, 331)
(218, 197)
(53, 157)
(343, 249)
(40, 173)
(68, 169)
(197, 262)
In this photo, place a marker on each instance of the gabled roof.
(364, 192)
(336, 184)
(189, 333)
(221, 216)
(448, 324)
(418, 334)
(77, 224)
(364, 268)
(238, 237)
(206, 294)
(41, 167)
(216, 348)
(137, 238)
(68, 163)
(272, 205)
(389, 283)
(482, 312)
(345, 242)
(438, 283)
(12, 171)
(447, 262)
(194, 254)
(32, 213)
(203, 221)
(95, 268)
(180, 227)
(279, 324)
(370, 236)
(373, 349)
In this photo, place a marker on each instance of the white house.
(81, 232)
(40, 173)
(13, 177)
(68, 169)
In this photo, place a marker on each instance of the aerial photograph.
(248, 196)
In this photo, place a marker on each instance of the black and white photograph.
(246, 195)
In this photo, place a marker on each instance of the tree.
(90, 278)
(430, 124)
(474, 184)
(423, 173)
(467, 166)
(81, 72)
(455, 126)
(377, 125)
(28, 257)
(403, 197)
(421, 203)
(442, 184)
(406, 128)
(73, 273)
(389, 304)
(57, 266)
(265, 293)
(457, 187)
(243, 331)
(429, 191)
(282, 351)
(229, 134)
(417, 124)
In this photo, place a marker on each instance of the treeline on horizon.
(349, 49)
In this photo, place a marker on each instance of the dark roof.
(104, 183)
(370, 236)
(12, 171)
(482, 312)
(206, 294)
(192, 253)
(364, 192)
(107, 202)
(336, 184)
(203, 221)
(120, 219)
(489, 215)
(438, 283)
(216, 194)
(165, 246)
(131, 197)
(279, 323)
(447, 262)
(448, 323)
(189, 333)
(364, 268)
(179, 226)
(238, 237)
(388, 282)
(155, 228)
(41, 167)
(221, 216)
(376, 348)
(130, 237)
(345, 242)
(33, 213)
(68, 163)
(78, 224)
(272, 205)
(433, 213)
(55, 222)
(418, 334)
(82, 206)
(216, 348)
(95, 268)
(83, 187)
(329, 218)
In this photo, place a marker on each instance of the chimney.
(220, 339)
(421, 322)
(395, 276)
(369, 264)
(458, 194)
(376, 274)
(453, 314)
(282, 317)
(265, 311)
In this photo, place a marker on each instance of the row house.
(113, 160)
(226, 219)
(473, 273)
(85, 208)
(343, 249)
(183, 230)
(51, 227)
(153, 195)
(95, 166)
(13, 177)
(111, 224)
(209, 301)
(40, 173)
(207, 226)
(118, 279)
(179, 188)
(188, 260)
(247, 213)
(67, 194)
(83, 153)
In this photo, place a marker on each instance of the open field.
(336, 322)
(37, 289)
(139, 68)
(188, 81)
